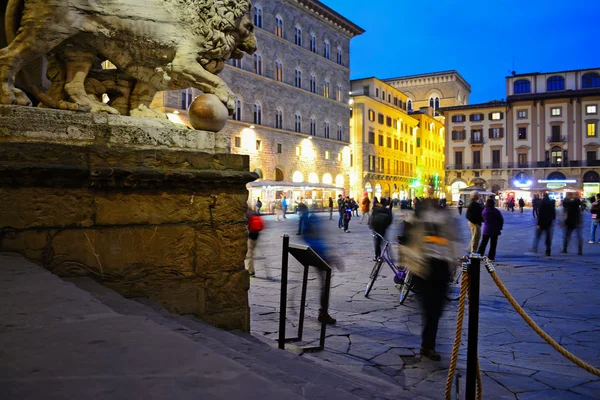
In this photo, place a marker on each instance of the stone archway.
(258, 172)
(556, 176)
(278, 174)
(591, 176)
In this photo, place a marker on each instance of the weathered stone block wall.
(164, 224)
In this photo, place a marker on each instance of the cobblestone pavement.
(378, 336)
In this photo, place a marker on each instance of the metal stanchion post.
(283, 295)
(473, 333)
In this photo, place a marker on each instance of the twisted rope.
(577, 361)
(464, 286)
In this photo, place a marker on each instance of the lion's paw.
(142, 111)
(14, 96)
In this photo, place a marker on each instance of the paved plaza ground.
(378, 336)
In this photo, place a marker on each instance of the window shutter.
(501, 115)
(501, 132)
(472, 117)
(490, 134)
(490, 116)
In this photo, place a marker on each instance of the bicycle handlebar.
(384, 239)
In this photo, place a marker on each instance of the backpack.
(255, 224)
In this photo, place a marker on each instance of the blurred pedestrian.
(521, 204)
(430, 254)
(347, 213)
(535, 204)
(354, 207)
(461, 203)
(380, 221)
(284, 206)
(493, 222)
(595, 211)
(546, 217)
(365, 207)
(258, 206)
(572, 207)
(475, 218)
(330, 208)
(302, 212)
(255, 225)
(340, 204)
(314, 237)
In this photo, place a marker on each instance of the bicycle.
(404, 279)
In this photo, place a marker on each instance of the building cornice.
(429, 75)
(331, 16)
(294, 133)
(554, 95)
(361, 99)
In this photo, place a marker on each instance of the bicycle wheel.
(453, 293)
(374, 273)
(406, 287)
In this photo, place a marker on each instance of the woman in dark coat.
(493, 223)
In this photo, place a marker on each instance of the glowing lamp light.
(252, 127)
(522, 184)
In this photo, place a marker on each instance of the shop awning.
(475, 188)
(282, 185)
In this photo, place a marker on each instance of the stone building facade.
(435, 90)
(551, 141)
(383, 139)
(292, 113)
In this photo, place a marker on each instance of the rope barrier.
(464, 288)
(464, 285)
(577, 361)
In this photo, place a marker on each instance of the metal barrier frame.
(305, 261)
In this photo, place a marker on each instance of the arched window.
(465, 99)
(257, 113)
(278, 26)
(591, 176)
(297, 177)
(279, 71)
(326, 88)
(556, 155)
(409, 105)
(326, 129)
(522, 86)
(278, 174)
(556, 176)
(279, 118)
(590, 80)
(327, 178)
(313, 177)
(298, 123)
(298, 35)
(339, 94)
(313, 43)
(313, 83)
(339, 55)
(437, 103)
(431, 102)
(258, 63)
(237, 112)
(339, 180)
(326, 53)
(339, 132)
(258, 15)
(555, 83)
(313, 126)
(298, 78)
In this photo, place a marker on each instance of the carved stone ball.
(207, 113)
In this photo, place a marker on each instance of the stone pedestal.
(145, 207)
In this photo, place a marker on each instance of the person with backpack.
(475, 218)
(460, 206)
(430, 254)
(258, 206)
(381, 219)
(284, 206)
(347, 209)
(340, 204)
(493, 222)
(595, 211)
(255, 225)
(546, 217)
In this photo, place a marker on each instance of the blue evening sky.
(481, 39)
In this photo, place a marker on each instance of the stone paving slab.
(559, 292)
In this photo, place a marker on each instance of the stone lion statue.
(155, 45)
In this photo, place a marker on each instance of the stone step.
(302, 376)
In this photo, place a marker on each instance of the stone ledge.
(32, 124)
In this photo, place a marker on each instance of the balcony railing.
(556, 139)
(476, 140)
(523, 165)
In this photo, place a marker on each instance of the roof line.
(553, 72)
(451, 71)
(317, 6)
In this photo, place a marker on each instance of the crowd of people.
(430, 238)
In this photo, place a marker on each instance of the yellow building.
(430, 158)
(382, 141)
